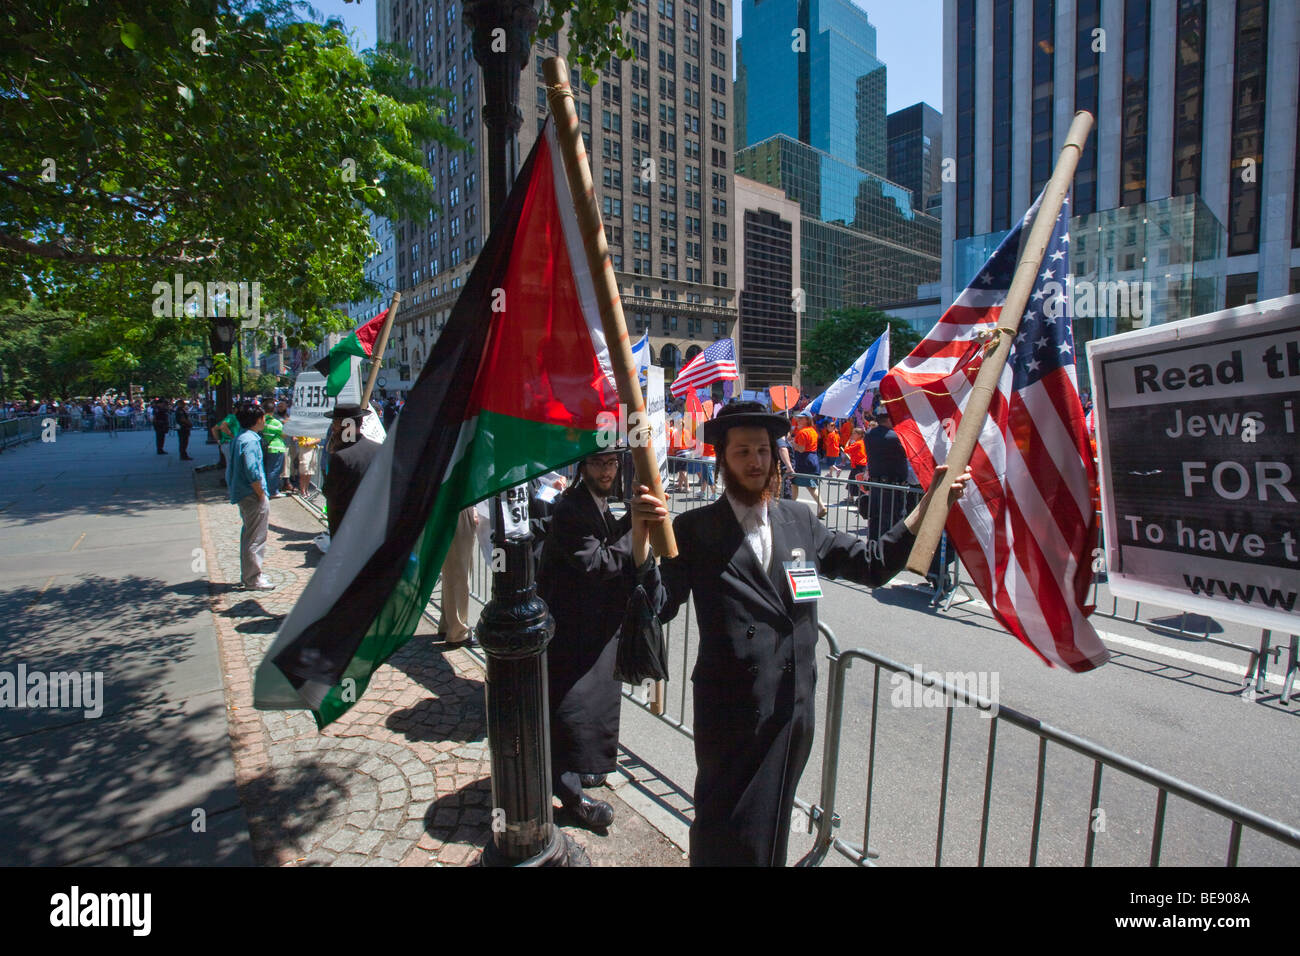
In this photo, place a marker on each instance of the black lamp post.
(221, 334)
(516, 626)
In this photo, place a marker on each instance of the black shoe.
(589, 780)
(592, 814)
(186, 458)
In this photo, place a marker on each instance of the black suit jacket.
(347, 466)
(756, 670)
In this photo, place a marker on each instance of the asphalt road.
(1174, 704)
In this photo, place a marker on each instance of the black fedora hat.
(347, 411)
(743, 415)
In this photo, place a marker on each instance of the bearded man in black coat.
(586, 576)
(756, 672)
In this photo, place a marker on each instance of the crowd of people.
(262, 462)
(857, 450)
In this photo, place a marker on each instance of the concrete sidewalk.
(99, 542)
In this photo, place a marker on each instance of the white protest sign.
(1200, 466)
(312, 413)
(655, 408)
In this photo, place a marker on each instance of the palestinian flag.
(511, 390)
(342, 360)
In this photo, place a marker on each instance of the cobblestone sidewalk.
(404, 777)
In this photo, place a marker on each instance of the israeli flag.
(847, 391)
(641, 357)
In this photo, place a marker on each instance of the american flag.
(1026, 530)
(714, 364)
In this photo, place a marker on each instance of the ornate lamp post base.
(562, 850)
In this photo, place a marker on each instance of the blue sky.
(908, 39)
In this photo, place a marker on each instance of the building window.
(1087, 75)
(1245, 200)
(965, 146)
(1041, 156)
(1003, 80)
(1133, 125)
(1240, 290)
(1189, 90)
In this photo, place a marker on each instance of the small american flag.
(1026, 530)
(714, 364)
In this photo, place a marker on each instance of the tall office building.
(916, 153)
(811, 121)
(808, 70)
(658, 132)
(863, 240)
(767, 273)
(1189, 181)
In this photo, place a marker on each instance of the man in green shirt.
(274, 447)
(224, 432)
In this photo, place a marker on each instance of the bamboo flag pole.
(1032, 250)
(377, 356)
(569, 135)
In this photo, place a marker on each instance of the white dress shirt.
(758, 529)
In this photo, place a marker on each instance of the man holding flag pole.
(756, 671)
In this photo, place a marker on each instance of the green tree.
(220, 140)
(844, 334)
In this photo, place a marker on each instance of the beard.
(737, 489)
(601, 488)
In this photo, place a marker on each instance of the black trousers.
(183, 434)
(161, 435)
(567, 786)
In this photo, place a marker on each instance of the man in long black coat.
(756, 672)
(586, 576)
(350, 456)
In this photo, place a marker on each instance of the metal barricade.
(826, 820)
(19, 429)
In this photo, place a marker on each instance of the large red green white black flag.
(512, 389)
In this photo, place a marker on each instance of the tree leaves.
(843, 334)
(218, 160)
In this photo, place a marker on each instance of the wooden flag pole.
(1032, 251)
(576, 167)
(377, 356)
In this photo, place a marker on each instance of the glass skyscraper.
(1189, 181)
(811, 120)
(810, 72)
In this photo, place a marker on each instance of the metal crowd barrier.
(15, 431)
(825, 819)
